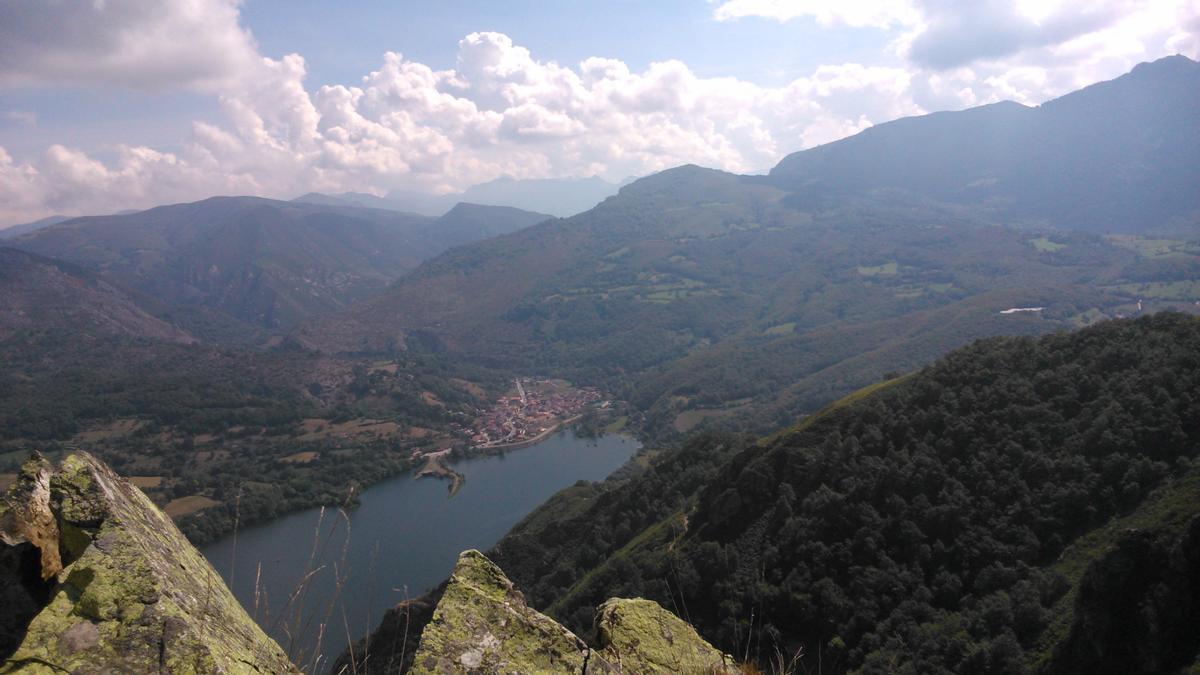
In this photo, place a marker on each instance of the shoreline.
(436, 465)
(516, 445)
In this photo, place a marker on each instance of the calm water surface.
(403, 540)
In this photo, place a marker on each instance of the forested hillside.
(260, 261)
(738, 302)
(975, 516)
(47, 295)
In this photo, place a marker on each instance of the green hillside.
(263, 262)
(694, 293)
(968, 518)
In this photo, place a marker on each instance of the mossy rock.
(639, 636)
(134, 596)
(482, 625)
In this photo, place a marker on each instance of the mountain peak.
(1173, 63)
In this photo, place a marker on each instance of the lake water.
(403, 540)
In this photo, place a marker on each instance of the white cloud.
(499, 112)
(145, 44)
(25, 118)
(503, 112)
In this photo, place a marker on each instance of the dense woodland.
(957, 520)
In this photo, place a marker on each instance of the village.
(534, 410)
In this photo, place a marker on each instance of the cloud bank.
(501, 111)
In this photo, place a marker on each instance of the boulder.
(639, 636)
(112, 586)
(482, 625)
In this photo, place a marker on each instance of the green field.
(1154, 248)
(884, 270)
(1162, 290)
(1046, 245)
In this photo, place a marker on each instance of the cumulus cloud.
(499, 112)
(945, 35)
(956, 34)
(135, 43)
(502, 111)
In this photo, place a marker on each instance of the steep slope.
(690, 279)
(56, 298)
(702, 295)
(1118, 156)
(96, 579)
(265, 262)
(959, 519)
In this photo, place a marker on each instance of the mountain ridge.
(265, 262)
(1084, 160)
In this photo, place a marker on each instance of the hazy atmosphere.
(734, 337)
(111, 105)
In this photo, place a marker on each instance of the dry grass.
(178, 508)
(301, 458)
(418, 432)
(146, 482)
(7, 479)
(690, 419)
(388, 367)
(318, 429)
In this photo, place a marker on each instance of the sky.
(108, 105)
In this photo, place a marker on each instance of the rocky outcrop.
(639, 636)
(482, 625)
(103, 582)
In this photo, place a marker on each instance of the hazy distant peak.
(490, 209)
(25, 228)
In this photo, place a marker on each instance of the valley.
(400, 540)
(922, 399)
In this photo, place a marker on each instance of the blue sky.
(763, 50)
(114, 104)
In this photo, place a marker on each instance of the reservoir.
(403, 539)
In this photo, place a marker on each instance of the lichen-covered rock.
(131, 595)
(639, 636)
(482, 625)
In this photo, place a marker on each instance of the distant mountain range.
(1118, 156)
(557, 196)
(845, 262)
(268, 263)
(26, 228)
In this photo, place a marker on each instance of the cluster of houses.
(534, 409)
